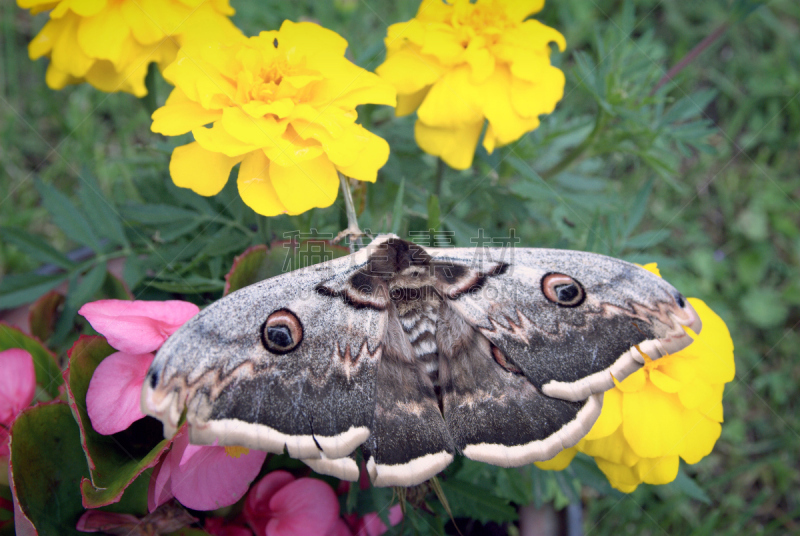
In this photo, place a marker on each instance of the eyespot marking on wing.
(281, 332)
(563, 290)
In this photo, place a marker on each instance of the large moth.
(416, 354)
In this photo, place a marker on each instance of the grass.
(730, 216)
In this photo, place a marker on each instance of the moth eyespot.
(153, 380)
(282, 332)
(680, 300)
(562, 290)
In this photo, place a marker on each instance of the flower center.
(485, 19)
(236, 452)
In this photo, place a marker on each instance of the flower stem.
(691, 55)
(440, 169)
(352, 219)
(578, 150)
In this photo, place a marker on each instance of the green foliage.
(699, 175)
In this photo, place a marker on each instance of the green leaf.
(686, 485)
(193, 284)
(36, 247)
(48, 374)
(89, 285)
(638, 207)
(468, 500)
(764, 307)
(47, 466)
(43, 314)
(102, 214)
(647, 239)
(67, 216)
(20, 289)
(112, 468)
(157, 214)
(225, 241)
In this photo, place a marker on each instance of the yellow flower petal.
(664, 382)
(67, 54)
(518, 10)
(559, 462)
(103, 36)
(652, 422)
(610, 416)
(652, 267)
(532, 99)
(255, 186)
(700, 433)
(180, 115)
(712, 347)
(143, 25)
(255, 131)
(452, 102)
(444, 44)
(217, 139)
(406, 104)
(613, 447)
(306, 184)
(621, 477)
(633, 383)
(372, 157)
(456, 146)
(658, 470)
(408, 71)
(205, 172)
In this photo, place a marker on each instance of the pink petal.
(305, 506)
(158, 491)
(210, 478)
(372, 525)
(137, 327)
(17, 383)
(339, 528)
(256, 507)
(113, 398)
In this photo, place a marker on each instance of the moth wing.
(568, 351)
(495, 415)
(315, 401)
(409, 441)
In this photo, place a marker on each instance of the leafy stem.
(578, 150)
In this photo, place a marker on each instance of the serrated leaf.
(48, 374)
(647, 239)
(686, 485)
(225, 241)
(157, 214)
(468, 500)
(19, 289)
(89, 285)
(112, 468)
(67, 216)
(35, 247)
(47, 465)
(638, 207)
(189, 285)
(104, 218)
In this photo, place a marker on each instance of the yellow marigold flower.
(669, 409)
(283, 104)
(110, 43)
(460, 63)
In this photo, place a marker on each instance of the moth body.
(415, 355)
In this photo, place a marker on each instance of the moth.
(416, 354)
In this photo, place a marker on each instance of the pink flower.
(217, 526)
(136, 328)
(17, 387)
(280, 505)
(203, 478)
(371, 524)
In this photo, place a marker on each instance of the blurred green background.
(701, 176)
